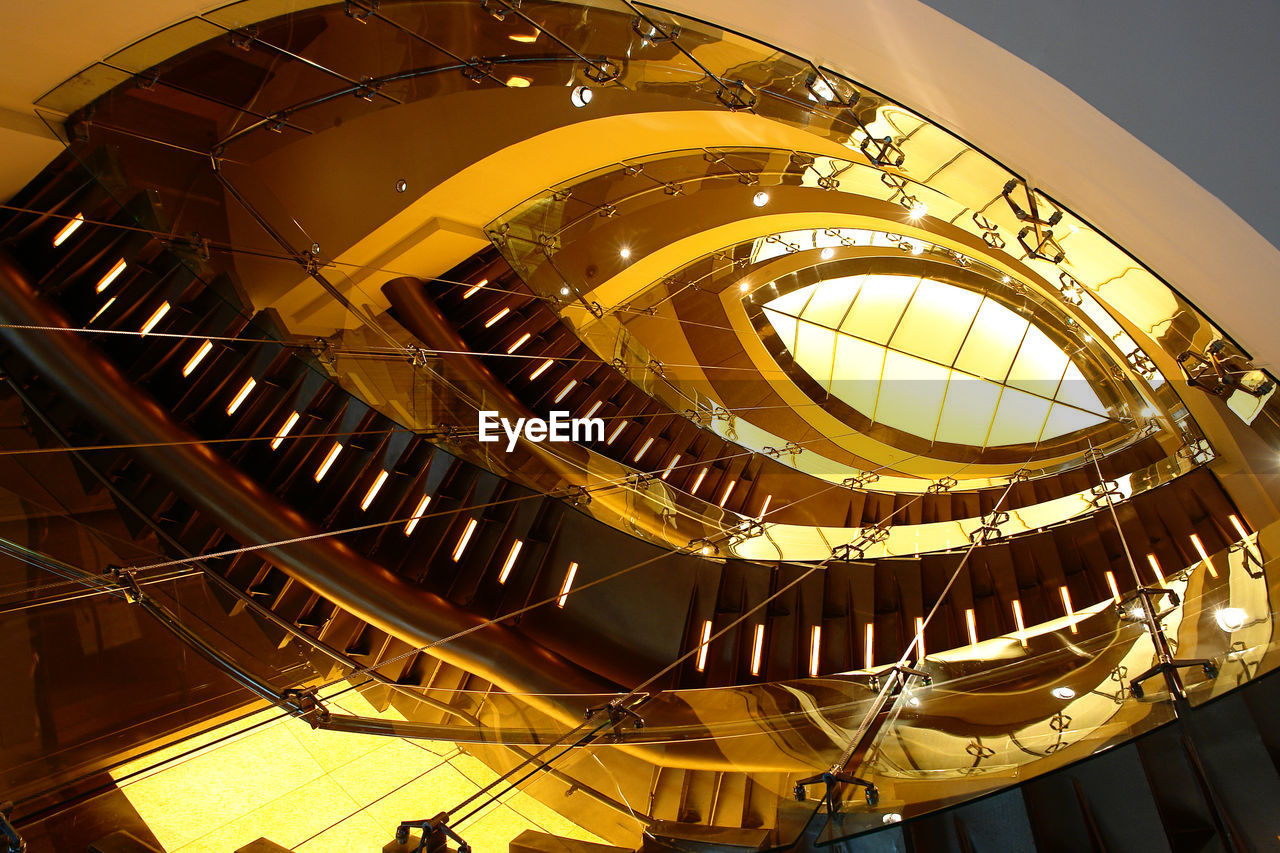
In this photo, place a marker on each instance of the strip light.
(1066, 604)
(1235, 522)
(523, 339)
(289, 424)
(643, 450)
(703, 644)
(728, 491)
(245, 390)
(702, 472)
(815, 650)
(464, 539)
(373, 490)
(757, 648)
(1204, 557)
(972, 626)
(102, 310)
(542, 368)
(194, 362)
(1155, 567)
(764, 507)
(328, 461)
(511, 560)
(475, 288)
(1115, 590)
(417, 514)
(868, 647)
(595, 408)
(670, 466)
(156, 317)
(567, 585)
(496, 317)
(1017, 620)
(617, 431)
(112, 275)
(68, 230)
(564, 392)
(920, 652)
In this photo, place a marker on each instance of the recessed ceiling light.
(743, 287)
(625, 253)
(828, 253)
(1063, 693)
(564, 291)
(760, 199)
(580, 96)
(917, 210)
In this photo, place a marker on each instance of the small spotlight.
(1063, 693)
(760, 199)
(917, 210)
(1005, 280)
(1229, 618)
(581, 96)
(402, 185)
(1148, 412)
(917, 248)
(743, 287)
(707, 550)
(828, 253)
(625, 253)
(821, 90)
(517, 81)
(892, 817)
(564, 291)
(524, 38)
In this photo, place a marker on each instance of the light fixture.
(564, 392)
(1115, 590)
(917, 248)
(496, 317)
(815, 648)
(894, 817)
(240, 396)
(328, 461)
(194, 362)
(1066, 605)
(464, 539)
(764, 507)
(868, 647)
(154, 319)
(1230, 618)
(102, 310)
(68, 230)
(704, 641)
(1155, 567)
(595, 408)
(917, 210)
(1019, 623)
(666, 472)
(417, 514)
(564, 290)
(757, 648)
(373, 490)
(581, 96)
(1235, 522)
(820, 89)
(702, 472)
(920, 652)
(475, 288)
(1204, 558)
(567, 585)
(743, 287)
(617, 431)
(519, 81)
(1063, 693)
(521, 341)
(827, 253)
(707, 550)
(511, 560)
(289, 424)
(625, 253)
(402, 185)
(112, 275)
(1005, 279)
(1148, 412)
(542, 368)
(643, 450)
(972, 625)
(760, 199)
(524, 38)
(728, 491)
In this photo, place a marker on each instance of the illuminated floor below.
(317, 791)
